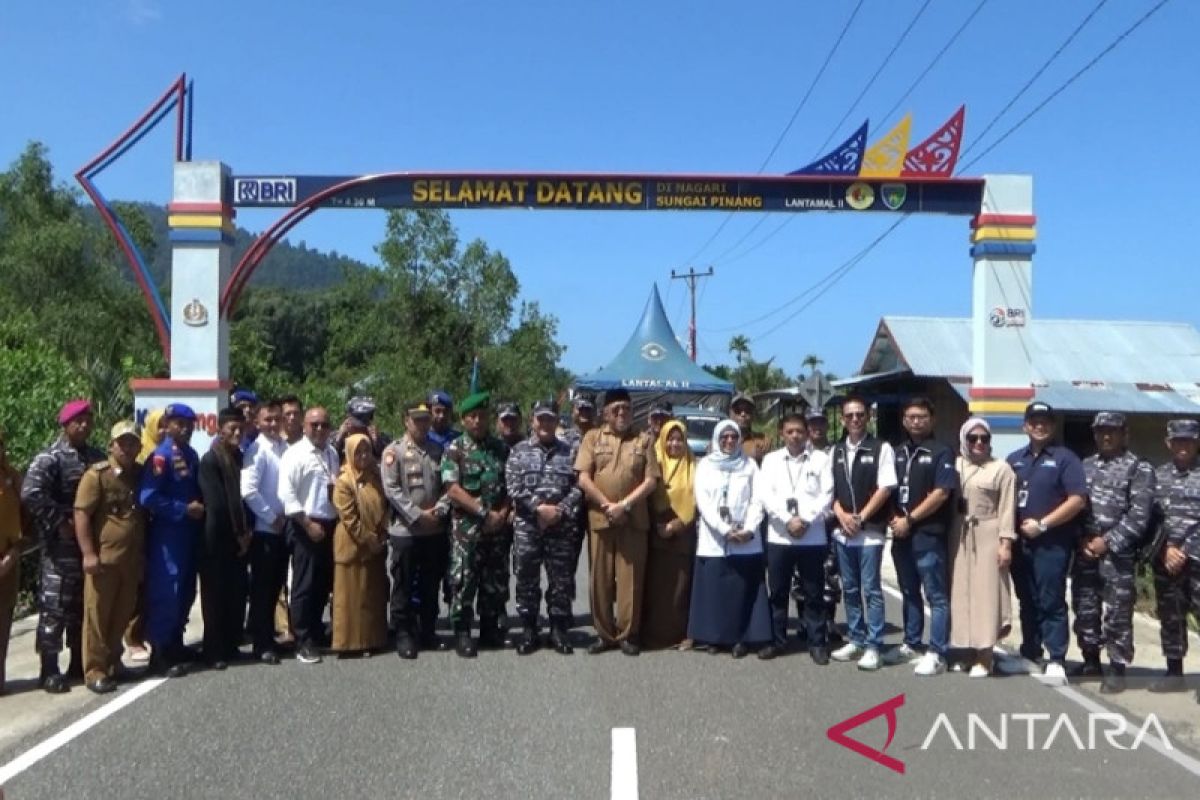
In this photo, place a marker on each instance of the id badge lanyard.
(902, 492)
(1023, 487)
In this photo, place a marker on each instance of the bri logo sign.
(1004, 732)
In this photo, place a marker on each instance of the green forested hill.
(290, 266)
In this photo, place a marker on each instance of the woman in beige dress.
(981, 542)
(360, 584)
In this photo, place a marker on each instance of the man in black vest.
(920, 521)
(864, 474)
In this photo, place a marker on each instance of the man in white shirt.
(864, 475)
(797, 490)
(306, 475)
(268, 547)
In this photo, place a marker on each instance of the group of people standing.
(692, 553)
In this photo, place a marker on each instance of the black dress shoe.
(406, 648)
(630, 648)
(102, 685)
(739, 650)
(768, 652)
(819, 655)
(464, 645)
(218, 665)
(529, 642)
(562, 641)
(269, 657)
(600, 646)
(1168, 683)
(55, 683)
(491, 634)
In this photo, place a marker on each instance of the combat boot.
(529, 640)
(561, 639)
(1173, 681)
(406, 648)
(491, 634)
(464, 645)
(50, 679)
(1114, 680)
(1090, 668)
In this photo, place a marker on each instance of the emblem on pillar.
(195, 314)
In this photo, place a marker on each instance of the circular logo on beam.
(653, 351)
(860, 195)
(998, 317)
(195, 314)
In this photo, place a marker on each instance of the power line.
(834, 277)
(882, 66)
(935, 60)
(954, 37)
(1082, 70)
(786, 128)
(1033, 78)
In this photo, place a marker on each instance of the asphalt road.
(503, 726)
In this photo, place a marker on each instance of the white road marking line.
(1088, 704)
(80, 726)
(624, 764)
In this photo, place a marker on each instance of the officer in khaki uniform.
(111, 529)
(617, 472)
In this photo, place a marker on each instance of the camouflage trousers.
(556, 549)
(478, 565)
(833, 584)
(1102, 597)
(60, 596)
(1175, 597)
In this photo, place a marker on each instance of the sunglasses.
(977, 438)
(317, 426)
(854, 414)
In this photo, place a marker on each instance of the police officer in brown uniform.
(111, 529)
(617, 472)
(754, 445)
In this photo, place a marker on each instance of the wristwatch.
(1042, 526)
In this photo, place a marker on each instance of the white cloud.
(143, 12)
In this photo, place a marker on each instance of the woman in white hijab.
(729, 596)
(981, 541)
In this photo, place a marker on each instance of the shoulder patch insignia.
(389, 457)
(158, 464)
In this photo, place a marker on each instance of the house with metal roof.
(1148, 370)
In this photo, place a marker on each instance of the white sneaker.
(1054, 674)
(870, 660)
(847, 652)
(979, 671)
(901, 655)
(930, 664)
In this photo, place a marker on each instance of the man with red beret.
(49, 495)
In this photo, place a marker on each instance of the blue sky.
(310, 88)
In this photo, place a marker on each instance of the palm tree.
(812, 361)
(739, 345)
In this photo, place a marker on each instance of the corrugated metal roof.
(1136, 367)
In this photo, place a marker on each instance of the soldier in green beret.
(473, 476)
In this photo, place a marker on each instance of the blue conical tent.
(652, 361)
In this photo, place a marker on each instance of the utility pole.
(691, 276)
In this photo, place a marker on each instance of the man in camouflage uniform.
(1120, 490)
(473, 475)
(541, 481)
(583, 419)
(1177, 564)
(49, 495)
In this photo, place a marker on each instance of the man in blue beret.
(170, 493)
(441, 410)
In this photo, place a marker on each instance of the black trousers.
(312, 581)
(808, 565)
(268, 573)
(223, 585)
(417, 565)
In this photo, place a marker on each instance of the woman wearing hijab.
(981, 540)
(153, 431)
(729, 595)
(672, 543)
(360, 583)
(12, 525)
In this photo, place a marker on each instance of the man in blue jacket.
(170, 493)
